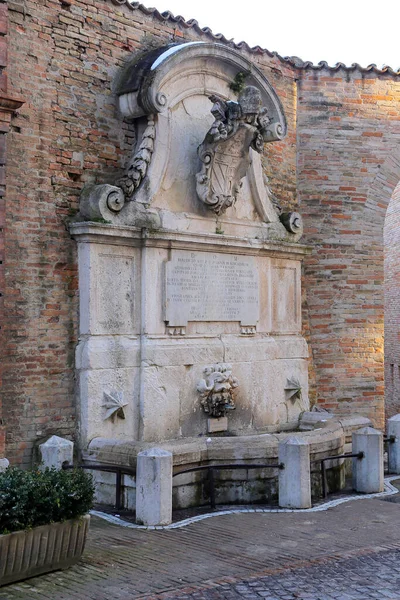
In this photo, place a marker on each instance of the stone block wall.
(64, 56)
(348, 167)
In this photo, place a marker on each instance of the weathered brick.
(344, 205)
(336, 160)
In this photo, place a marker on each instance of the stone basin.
(327, 435)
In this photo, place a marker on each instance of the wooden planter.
(46, 548)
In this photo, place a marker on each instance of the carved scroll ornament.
(137, 167)
(238, 126)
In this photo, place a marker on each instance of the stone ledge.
(102, 233)
(230, 449)
(10, 103)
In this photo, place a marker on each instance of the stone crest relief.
(238, 126)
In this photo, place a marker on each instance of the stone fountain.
(190, 293)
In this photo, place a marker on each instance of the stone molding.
(149, 96)
(133, 236)
(10, 104)
(192, 450)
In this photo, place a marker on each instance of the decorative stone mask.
(216, 389)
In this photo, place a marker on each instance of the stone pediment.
(170, 95)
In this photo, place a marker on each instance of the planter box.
(46, 548)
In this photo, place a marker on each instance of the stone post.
(4, 464)
(368, 471)
(394, 447)
(295, 478)
(55, 452)
(154, 487)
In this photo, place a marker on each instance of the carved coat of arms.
(225, 149)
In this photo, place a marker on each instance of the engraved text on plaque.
(206, 286)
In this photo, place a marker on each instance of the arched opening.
(391, 237)
(344, 285)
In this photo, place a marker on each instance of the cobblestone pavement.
(215, 555)
(369, 577)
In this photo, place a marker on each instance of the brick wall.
(3, 88)
(63, 58)
(392, 305)
(348, 167)
(8, 104)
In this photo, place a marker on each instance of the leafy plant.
(238, 83)
(32, 498)
(99, 220)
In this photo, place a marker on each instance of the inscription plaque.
(205, 286)
(115, 303)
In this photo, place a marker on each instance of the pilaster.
(9, 103)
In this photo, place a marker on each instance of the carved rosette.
(114, 404)
(293, 389)
(216, 389)
(238, 126)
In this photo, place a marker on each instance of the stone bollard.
(368, 471)
(154, 487)
(394, 447)
(4, 464)
(295, 478)
(55, 452)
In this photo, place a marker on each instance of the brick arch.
(391, 240)
(344, 285)
(383, 186)
(348, 166)
(383, 209)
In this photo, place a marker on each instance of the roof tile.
(293, 61)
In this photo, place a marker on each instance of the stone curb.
(390, 490)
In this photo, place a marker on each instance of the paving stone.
(237, 556)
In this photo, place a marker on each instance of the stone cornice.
(179, 240)
(9, 103)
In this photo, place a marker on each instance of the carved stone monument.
(225, 155)
(187, 262)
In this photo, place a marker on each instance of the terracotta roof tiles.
(293, 61)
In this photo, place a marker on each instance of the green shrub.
(32, 498)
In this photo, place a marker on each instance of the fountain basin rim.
(327, 438)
